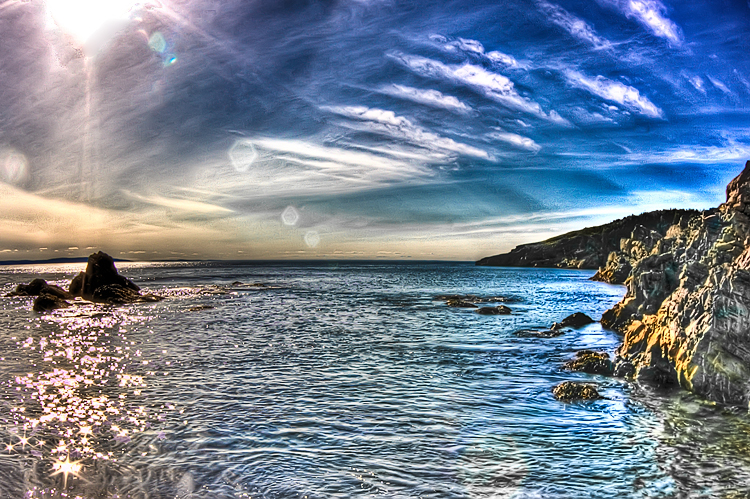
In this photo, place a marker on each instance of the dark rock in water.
(472, 298)
(460, 303)
(114, 294)
(31, 289)
(591, 362)
(538, 333)
(570, 391)
(100, 272)
(499, 310)
(45, 303)
(198, 308)
(39, 287)
(589, 248)
(575, 321)
(76, 285)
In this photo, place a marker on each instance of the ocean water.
(325, 380)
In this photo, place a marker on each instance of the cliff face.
(590, 248)
(686, 314)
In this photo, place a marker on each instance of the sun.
(83, 18)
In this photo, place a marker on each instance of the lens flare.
(82, 19)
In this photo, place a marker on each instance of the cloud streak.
(387, 123)
(575, 26)
(615, 91)
(491, 85)
(427, 97)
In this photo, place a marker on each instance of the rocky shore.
(685, 318)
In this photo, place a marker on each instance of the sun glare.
(82, 19)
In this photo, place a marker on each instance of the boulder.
(45, 303)
(100, 272)
(591, 362)
(498, 310)
(76, 285)
(38, 287)
(575, 320)
(570, 391)
(114, 294)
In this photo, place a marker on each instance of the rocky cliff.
(590, 248)
(686, 314)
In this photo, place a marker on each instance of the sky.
(358, 129)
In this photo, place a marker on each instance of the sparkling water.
(318, 380)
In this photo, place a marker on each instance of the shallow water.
(339, 380)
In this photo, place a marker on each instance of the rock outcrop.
(590, 248)
(576, 320)
(570, 391)
(100, 283)
(588, 361)
(686, 314)
(101, 272)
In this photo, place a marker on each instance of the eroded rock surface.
(591, 362)
(570, 391)
(686, 313)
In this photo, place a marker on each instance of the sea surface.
(339, 380)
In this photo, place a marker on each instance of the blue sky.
(359, 129)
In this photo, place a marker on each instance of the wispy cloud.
(719, 85)
(615, 91)
(475, 47)
(427, 97)
(493, 86)
(273, 167)
(652, 14)
(575, 26)
(386, 122)
(515, 140)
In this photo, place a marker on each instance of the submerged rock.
(459, 303)
(471, 298)
(538, 333)
(570, 391)
(591, 362)
(498, 310)
(575, 320)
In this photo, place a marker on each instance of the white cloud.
(615, 91)
(427, 97)
(718, 84)
(492, 85)
(504, 59)
(388, 123)
(475, 47)
(697, 83)
(652, 15)
(515, 140)
(578, 28)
